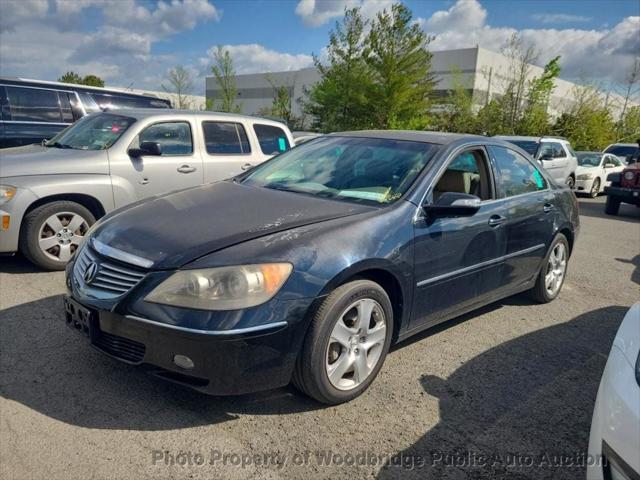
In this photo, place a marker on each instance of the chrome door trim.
(486, 263)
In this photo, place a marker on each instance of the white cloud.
(603, 55)
(318, 12)
(43, 39)
(254, 58)
(560, 18)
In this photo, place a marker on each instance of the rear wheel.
(553, 271)
(51, 233)
(346, 344)
(612, 207)
(595, 188)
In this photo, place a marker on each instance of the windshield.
(529, 146)
(355, 169)
(622, 150)
(589, 159)
(93, 132)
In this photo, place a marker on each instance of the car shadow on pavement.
(51, 369)
(595, 208)
(635, 261)
(528, 397)
(17, 264)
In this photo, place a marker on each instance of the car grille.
(110, 278)
(120, 347)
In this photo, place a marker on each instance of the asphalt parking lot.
(513, 383)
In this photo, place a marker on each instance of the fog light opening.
(183, 362)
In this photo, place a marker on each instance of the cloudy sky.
(135, 42)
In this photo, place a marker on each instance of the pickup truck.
(51, 193)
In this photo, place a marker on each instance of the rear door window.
(33, 104)
(558, 151)
(272, 139)
(225, 138)
(515, 174)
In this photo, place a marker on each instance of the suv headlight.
(629, 174)
(585, 176)
(7, 192)
(222, 288)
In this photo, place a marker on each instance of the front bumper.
(225, 362)
(584, 185)
(627, 195)
(15, 210)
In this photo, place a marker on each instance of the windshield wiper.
(59, 145)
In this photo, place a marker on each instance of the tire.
(540, 291)
(595, 188)
(612, 207)
(321, 352)
(571, 182)
(37, 226)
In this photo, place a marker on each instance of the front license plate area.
(81, 318)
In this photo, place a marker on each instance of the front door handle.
(246, 166)
(547, 208)
(186, 169)
(495, 220)
(144, 181)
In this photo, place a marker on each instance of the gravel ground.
(513, 381)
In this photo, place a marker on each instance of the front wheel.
(595, 188)
(612, 207)
(346, 344)
(51, 233)
(571, 182)
(553, 271)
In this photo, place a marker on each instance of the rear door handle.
(547, 208)
(186, 169)
(246, 166)
(495, 220)
(144, 181)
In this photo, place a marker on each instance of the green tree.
(587, 123)
(225, 78)
(628, 128)
(73, 77)
(180, 85)
(400, 64)
(457, 114)
(535, 116)
(340, 100)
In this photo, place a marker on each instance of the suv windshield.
(622, 150)
(354, 169)
(93, 132)
(529, 146)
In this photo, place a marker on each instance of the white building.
(483, 71)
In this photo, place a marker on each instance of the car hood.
(175, 229)
(581, 169)
(39, 160)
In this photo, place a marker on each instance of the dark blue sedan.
(309, 266)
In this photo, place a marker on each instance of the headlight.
(222, 288)
(628, 175)
(585, 176)
(7, 192)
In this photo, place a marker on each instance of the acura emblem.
(90, 272)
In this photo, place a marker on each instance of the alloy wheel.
(356, 344)
(556, 269)
(595, 188)
(60, 235)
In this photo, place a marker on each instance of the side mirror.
(146, 148)
(453, 204)
(609, 165)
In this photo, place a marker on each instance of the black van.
(32, 110)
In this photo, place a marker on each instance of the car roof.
(590, 151)
(140, 113)
(440, 138)
(528, 137)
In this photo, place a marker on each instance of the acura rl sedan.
(309, 266)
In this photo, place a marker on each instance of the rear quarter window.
(272, 139)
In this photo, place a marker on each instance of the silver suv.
(51, 194)
(555, 155)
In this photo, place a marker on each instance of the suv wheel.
(612, 207)
(50, 234)
(571, 182)
(346, 344)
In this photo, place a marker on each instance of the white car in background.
(593, 169)
(614, 443)
(554, 154)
